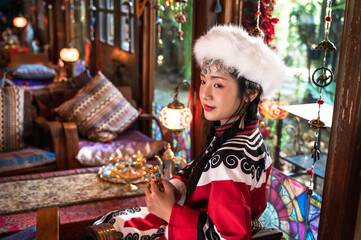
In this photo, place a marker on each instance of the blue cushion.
(26, 234)
(24, 158)
(33, 72)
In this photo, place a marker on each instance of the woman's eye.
(203, 82)
(218, 85)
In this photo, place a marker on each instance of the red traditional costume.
(230, 191)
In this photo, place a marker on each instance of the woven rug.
(32, 194)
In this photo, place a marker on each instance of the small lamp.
(20, 22)
(176, 117)
(69, 55)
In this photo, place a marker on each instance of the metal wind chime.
(257, 32)
(321, 77)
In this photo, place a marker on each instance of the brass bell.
(326, 45)
(257, 32)
(316, 123)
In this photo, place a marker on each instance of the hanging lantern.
(175, 119)
(276, 112)
(271, 109)
(69, 54)
(176, 116)
(20, 22)
(264, 108)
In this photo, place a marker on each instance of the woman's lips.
(208, 108)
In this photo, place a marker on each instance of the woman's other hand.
(160, 203)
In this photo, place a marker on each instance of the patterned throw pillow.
(99, 110)
(78, 81)
(11, 118)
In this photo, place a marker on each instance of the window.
(106, 21)
(173, 65)
(127, 26)
(116, 23)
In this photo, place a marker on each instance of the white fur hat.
(250, 56)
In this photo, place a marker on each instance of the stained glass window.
(290, 208)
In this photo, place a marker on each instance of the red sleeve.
(184, 180)
(229, 214)
(258, 196)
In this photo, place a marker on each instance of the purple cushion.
(124, 146)
(33, 72)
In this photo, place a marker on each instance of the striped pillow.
(99, 110)
(11, 118)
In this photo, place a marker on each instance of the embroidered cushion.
(99, 110)
(11, 118)
(33, 72)
(78, 81)
(25, 158)
(124, 146)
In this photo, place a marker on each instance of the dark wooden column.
(341, 194)
(203, 19)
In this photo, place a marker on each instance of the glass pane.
(300, 28)
(101, 26)
(173, 65)
(126, 32)
(290, 208)
(127, 5)
(102, 3)
(110, 28)
(110, 4)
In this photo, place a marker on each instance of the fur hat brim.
(250, 56)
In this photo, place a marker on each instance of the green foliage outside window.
(300, 29)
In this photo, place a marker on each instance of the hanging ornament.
(159, 21)
(257, 32)
(321, 77)
(327, 44)
(180, 16)
(169, 4)
(92, 20)
(218, 7)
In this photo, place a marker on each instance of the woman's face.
(219, 95)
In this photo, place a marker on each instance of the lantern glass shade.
(20, 22)
(271, 109)
(69, 54)
(175, 119)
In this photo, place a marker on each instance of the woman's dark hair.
(246, 88)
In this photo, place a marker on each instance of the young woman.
(216, 195)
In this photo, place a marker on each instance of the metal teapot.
(168, 160)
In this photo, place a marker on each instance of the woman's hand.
(160, 203)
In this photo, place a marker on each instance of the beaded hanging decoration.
(169, 4)
(180, 16)
(159, 21)
(321, 77)
(257, 32)
(92, 20)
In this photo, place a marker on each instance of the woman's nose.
(205, 92)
